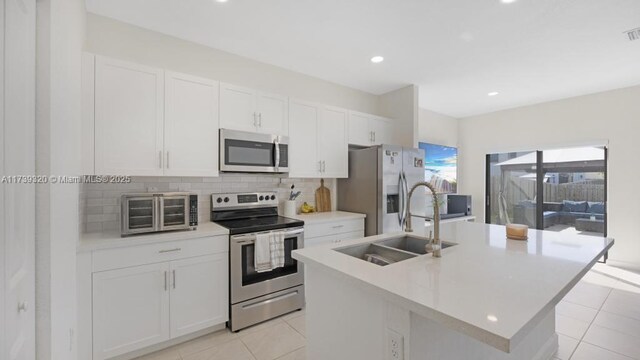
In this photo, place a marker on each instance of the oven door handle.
(250, 238)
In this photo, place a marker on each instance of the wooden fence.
(517, 190)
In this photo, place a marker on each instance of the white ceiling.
(457, 51)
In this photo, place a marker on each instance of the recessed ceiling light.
(493, 93)
(508, 1)
(377, 59)
(492, 318)
(222, 1)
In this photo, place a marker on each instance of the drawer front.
(330, 228)
(320, 240)
(152, 253)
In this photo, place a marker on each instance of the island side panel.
(432, 341)
(342, 320)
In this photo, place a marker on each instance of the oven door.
(174, 212)
(246, 283)
(242, 151)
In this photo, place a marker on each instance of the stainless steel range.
(258, 296)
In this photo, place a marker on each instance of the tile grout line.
(591, 324)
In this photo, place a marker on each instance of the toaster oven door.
(174, 212)
(139, 214)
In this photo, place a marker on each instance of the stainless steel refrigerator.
(380, 178)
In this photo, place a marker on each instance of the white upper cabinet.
(238, 108)
(382, 130)
(129, 112)
(360, 129)
(147, 121)
(332, 142)
(303, 139)
(190, 126)
(318, 140)
(255, 111)
(368, 130)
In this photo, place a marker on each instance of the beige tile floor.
(598, 320)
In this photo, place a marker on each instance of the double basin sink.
(389, 251)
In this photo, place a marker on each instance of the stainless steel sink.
(414, 244)
(377, 254)
(389, 251)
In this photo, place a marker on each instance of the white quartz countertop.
(488, 287)
(329, 216)
(112, 239)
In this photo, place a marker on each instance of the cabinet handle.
(371, 136)
(324, 166)
(320, 166)
(169, 250)
(374, 136)
(160, 159)
(338, 226)
(174, 279)
(22, 307)
(166, 287)
(260, 119)
(255, 121)
(167, 159)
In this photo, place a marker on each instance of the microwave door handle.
(277, 153)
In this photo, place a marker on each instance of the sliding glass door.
(562, 190)
(511, 188)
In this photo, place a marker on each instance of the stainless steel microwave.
(153, 212)
(242, 151)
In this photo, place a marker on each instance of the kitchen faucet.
(435, 242)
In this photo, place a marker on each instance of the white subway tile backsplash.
(100, 203)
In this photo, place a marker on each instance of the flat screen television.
(441, 167)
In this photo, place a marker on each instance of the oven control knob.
(219, 200)
(226, 199)
(273, 197)
(261, 198)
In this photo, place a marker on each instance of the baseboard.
(169, 343)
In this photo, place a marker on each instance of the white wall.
(611, 117)
(60, 37)
(402, 106)
(437, 128)
(116, 39)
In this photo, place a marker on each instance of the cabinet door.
(129, 103)
(333, 149)
(273, 114)
(199, 293)
(359, 129)
(190, 126)
(130, 309)
(238, 108)
(303, 138)
(382, 131)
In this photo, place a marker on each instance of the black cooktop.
(256, 224)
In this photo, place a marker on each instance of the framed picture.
(441, 167)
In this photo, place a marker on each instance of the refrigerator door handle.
(400, 200)
(405, 195)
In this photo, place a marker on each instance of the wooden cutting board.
(323, 198)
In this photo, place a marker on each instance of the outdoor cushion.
(596, 207)
(574, 206)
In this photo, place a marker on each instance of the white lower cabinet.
(196, 303)
(139, 306)
(130, 309)
(333, 232)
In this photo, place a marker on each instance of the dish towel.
(262, 253)
(276, 242)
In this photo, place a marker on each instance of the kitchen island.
(486, 297)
